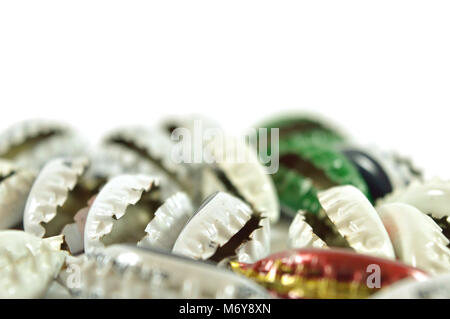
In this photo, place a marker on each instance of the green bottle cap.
(300, 123)
(310, 162)
(295, 192)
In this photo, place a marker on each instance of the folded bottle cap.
(123, 271)
(154, 146)
(29, 264)
(346, 219)
(32, 143)
(296, 151)
(325, 273)
(417, 239)
(301, 235)
(238, 171)
(431, 197)
(356, 220)
(49, 195)
(15, 185)
(168, 222)
(224, 227)
(130, 208)
(307, 167)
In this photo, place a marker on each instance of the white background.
(379, 68)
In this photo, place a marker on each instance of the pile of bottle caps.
(292, 209)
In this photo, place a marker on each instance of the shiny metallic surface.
(324, 273)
